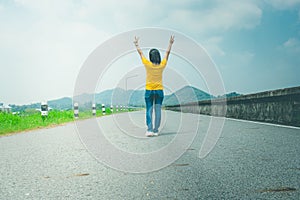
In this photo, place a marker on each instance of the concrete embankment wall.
(278, 106)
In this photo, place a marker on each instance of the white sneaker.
(149, 134)
(155, 134)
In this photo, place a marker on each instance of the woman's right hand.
(172, 39)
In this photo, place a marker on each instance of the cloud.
(40, 50)
(284, 4)
(53, 36)
(197, 16)
(212, 45)
(234, 14)
(292, 44)
(47, 8)
(222, 16)
(242, 58)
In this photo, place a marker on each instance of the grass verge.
(25, 121)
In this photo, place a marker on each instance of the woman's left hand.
(136, 41)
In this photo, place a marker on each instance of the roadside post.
(44, 110)
(94, 109)
(103, 109)
(76, 111)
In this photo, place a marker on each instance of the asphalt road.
(249, 161)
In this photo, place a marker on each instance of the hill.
(187, 94)
(119, 96)
(64, 103)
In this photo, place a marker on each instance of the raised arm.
(136, 43)
(169, 47)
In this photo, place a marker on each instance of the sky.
(255, 44)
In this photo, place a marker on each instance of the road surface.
(250, 161)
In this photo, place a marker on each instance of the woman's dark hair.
(154, 56)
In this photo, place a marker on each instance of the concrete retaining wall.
(277, 106)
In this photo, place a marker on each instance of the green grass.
(27, 121)
(30, 119)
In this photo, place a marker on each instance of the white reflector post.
(76, 111)
(103, 109)
(94, 109)
(44, 109)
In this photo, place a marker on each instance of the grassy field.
(12, 123)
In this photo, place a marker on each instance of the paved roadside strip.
(250, 161)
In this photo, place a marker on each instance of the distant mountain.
(187, 94)
(119, 96)
(105, 96)
(137, 98)
(61, 104)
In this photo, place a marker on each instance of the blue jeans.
(153, 97)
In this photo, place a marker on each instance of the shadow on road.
(172, 133)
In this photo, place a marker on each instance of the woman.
(154, 94)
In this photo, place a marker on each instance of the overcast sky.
(255, 44)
